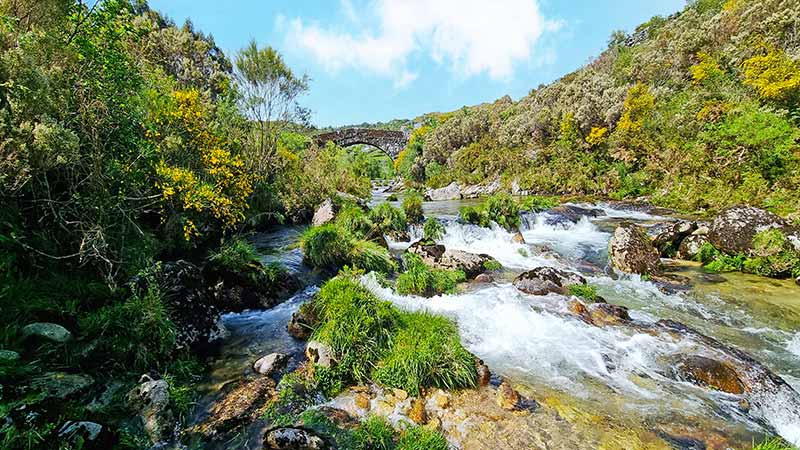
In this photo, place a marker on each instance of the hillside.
(696, 111)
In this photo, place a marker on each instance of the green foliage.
(371, 257)
(538, 203)
(412, 206)
(372, 340)
(492, 265)
(432, 230)
(375, 433)
(386, 218)
(352, 217)
(585, 291)
(773, 256)
(418, 438)
(420, 279)
(235, 255)
(295, 394)
(726, 263)
(499, 208)
(774, 444)
(136, 332)
(392, 198)
(331, 246)
(425, 352)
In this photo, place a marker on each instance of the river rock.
(302, 323)
(293, 439)
(320, 354)
(690, 246)
(797, 281)
(518, 238)
(449, 192)
(702, 229)
(438, 257)
(239, 407)
(732, 231)
(429, 253)
(151, 400)
(270, 364)
(570, 214)
(324, 213)
(630, 250)
(709, 373)
(60, 385)
(668, 241)
(480, 190)
(339, 417)
(46, 332)
(544, 280)
(416, 412)
(484, 375)
(484, 278)
(85, 435)
(603, 314)
(508, 398)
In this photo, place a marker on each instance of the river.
(604, 380)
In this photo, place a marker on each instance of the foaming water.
(572, 240)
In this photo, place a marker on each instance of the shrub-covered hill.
(698, 110)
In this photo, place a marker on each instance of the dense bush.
(386, 218)
(412, 206)
(501, 209)
(331, 246)
(432, 230)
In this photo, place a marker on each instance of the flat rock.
(60, 385)
(238, 407)
(293, 439)
(544, 280)
(709, 373)
(630, 250)
(49, 332)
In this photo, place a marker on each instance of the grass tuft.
(420, 279)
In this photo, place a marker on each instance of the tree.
(269, 92)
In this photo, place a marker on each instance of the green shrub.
(426, 351)
(375, 433)
(371, 257)
(235, 255)
(353, 219)
(499, 208)
(773, 256)
(584, 291)
(327, 246)
(418, 438)
(386, 218)
(420, 279)
(295, 394)
(707, 253)
(412, 206)
(474, 215)
(433, 230)
(538, 203)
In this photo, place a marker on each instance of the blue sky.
(376, 60)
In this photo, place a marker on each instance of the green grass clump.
(492, 264)
(392, 198)
(386, 218)
(538, 203)
(372, 340)
(584, 291)
(235, 255)
(426, 351)
(774, 444)
(726, 263)
(295, 395)
(418, 438)
(412, 206)
(499, 208)
(433, 230)
(375, 433)
(420, 279)
(331, 246)
(353, 219)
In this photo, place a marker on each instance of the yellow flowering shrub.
(200, 179)
(597, 136)
(775, 76)
(706, 69)
(638, 107)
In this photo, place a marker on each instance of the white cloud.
(469, 36)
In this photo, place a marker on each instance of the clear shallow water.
(616, 375)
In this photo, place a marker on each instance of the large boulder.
(544, 280)
(43, 332)
(631, 251)
(293, 439)
(449, 192)
(437, 256)
(240, 406)
(480, 190)
(670, 238)
(732, 231)
(151, 400)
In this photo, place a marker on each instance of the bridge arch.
(390, 142)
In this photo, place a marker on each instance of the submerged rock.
(669, 240)
(630, 250)
(151, 400)
(449, 192)
(484, 278)
(732, 231)
(508, 398)
(708, 372)
(603, 314)
(544, 280)
(518, 238)
(270, 364)
(240, 406)
(46, 332)
(293, 439)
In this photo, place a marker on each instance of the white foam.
(794, 345)
(571, 240)
(496, 242)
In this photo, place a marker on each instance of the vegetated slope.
(698, 110)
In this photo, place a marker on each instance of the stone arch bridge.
(390, 142)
